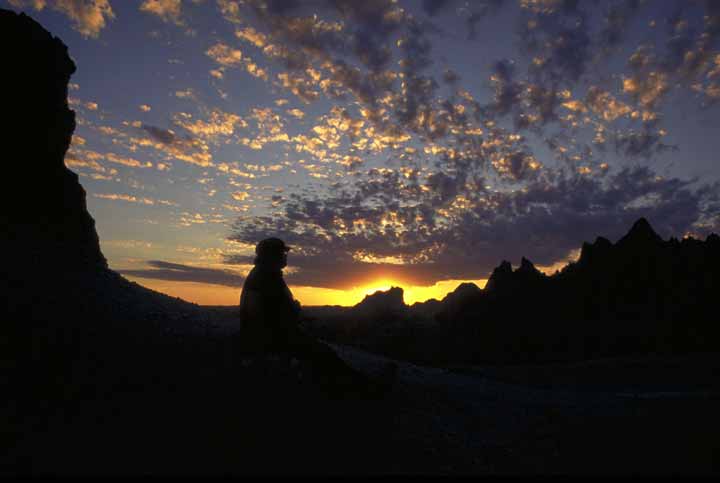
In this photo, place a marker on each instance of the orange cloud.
(127, 161)
(225, 55)
(128, 198)
(89, 17)
(167, 10)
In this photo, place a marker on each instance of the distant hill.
(641, 294)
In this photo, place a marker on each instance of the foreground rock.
(56, 277)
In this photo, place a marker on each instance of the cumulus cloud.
(457, 227)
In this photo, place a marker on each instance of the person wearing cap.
(268, 311)
(270, 316)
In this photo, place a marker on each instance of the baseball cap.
(271, 245)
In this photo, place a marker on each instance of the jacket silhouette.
(269, 315)
(269, 322)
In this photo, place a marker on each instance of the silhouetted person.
(268, 312)
(270, 316)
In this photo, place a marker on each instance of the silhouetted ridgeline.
(639, 295)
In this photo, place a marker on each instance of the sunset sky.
(389, 142)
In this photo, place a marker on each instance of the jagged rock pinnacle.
(387, 300)
(640, 232)
(499, 276)
(526, 266)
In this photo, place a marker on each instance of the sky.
(389, 142)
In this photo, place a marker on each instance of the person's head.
(271, 253)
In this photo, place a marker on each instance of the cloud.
(230, 10)
(122, 197)
(296, 113)
(229, 57)
(79, 159)
(352, 56)
(165, 136)
(617, 20)
(185, 148)
(219, 124)
(167, 10)
(224, 55)
(127, 161)
(455, 227)
(186, 273)
(89, 16)
(556, 35)
(432, 7)
(240, 195)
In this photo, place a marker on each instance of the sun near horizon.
(213, 294)
(450, 136)
(209, 294)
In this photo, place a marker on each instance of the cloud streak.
(177, 272)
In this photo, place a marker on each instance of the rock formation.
(47, 215)
(380, 303)
(56, 275)
(641, 294)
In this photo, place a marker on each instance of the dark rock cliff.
(46, 213)
(56, 277)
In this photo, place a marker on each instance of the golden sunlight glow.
(207, 294)
(198, 293)
(411, 295)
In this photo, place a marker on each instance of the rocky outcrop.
(640, 235)
(47, 214)
(500, 276)
(382, 302)
(641, 294)
(505, 281)
(591, 253)
(55, 275)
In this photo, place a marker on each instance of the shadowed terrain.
(124, 380)
(640, 295)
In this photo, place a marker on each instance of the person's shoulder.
(253, 278)
(259, 278)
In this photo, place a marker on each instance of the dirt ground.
(194, 408)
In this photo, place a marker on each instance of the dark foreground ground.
(193, 405)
